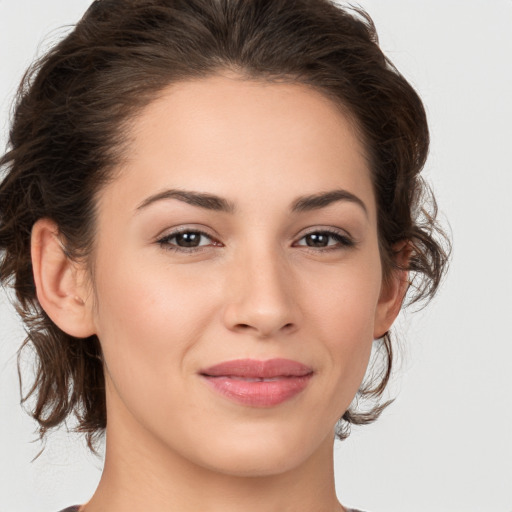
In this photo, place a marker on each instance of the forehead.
(227, 136)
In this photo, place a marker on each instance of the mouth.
(258, 383)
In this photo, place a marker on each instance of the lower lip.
(259, 393)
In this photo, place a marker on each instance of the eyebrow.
(203, 200)
(323, 199)
(216, 203)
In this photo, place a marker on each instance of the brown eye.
(187, 240)
(325, 240)
(317, 240)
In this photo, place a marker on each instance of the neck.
(148, 476)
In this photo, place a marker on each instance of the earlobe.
(393, 291)
(59, 284)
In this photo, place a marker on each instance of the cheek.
(342, 315)
(136, 296)
(148, 321)
(344, 301)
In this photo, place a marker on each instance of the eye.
(186, 240)
(325, 240)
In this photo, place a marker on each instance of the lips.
(258, 383)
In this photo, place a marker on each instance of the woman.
(211, 210)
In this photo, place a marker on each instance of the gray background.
(446, 444)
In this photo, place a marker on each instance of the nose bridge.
(261, 292)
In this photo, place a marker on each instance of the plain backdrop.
(445, 445)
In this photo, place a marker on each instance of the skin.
(253, 289)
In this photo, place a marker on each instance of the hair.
(68, 133)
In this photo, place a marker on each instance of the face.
(237, 277)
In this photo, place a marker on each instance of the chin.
(261, 453)
(255, 463)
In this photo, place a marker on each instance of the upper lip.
(257, 369)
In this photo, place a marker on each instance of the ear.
(60, 283)
(393, 291)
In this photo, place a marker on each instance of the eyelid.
(326, 229)
(163, 239)
(345, 239)
(185, 228)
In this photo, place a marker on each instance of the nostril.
(288, 327)
(246, 327)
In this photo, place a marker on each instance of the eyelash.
(343, 241)
(164, 242)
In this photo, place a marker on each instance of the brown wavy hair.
(74, 106)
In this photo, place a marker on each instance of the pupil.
(188, 239)
(317, 240)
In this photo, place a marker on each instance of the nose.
(261, 296)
